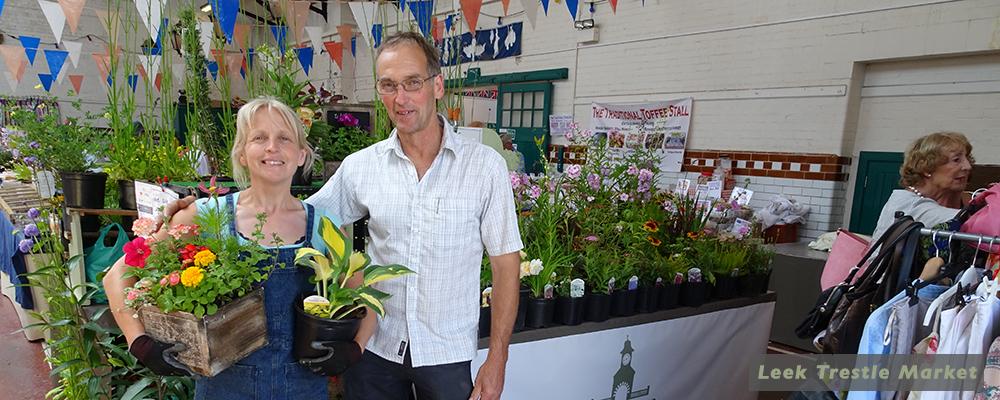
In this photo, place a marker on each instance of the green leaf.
(212, 309)
(335, 241)
(371, 301)
(378, 273)
(135, 390)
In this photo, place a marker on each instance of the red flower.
(136, 252)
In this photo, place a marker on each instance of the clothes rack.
(968, 237)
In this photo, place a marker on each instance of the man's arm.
(490, 379)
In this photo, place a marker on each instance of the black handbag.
(818, 319)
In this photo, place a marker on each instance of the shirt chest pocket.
(450, 221)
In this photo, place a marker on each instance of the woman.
(934, 173)
(270, 145)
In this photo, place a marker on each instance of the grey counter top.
(801, 250)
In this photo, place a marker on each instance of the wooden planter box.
(214, 342)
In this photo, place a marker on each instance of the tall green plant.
(202, 130)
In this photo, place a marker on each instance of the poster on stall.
(560, 125)
(662, 126)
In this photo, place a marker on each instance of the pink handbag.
(847, 251)
(986, 221)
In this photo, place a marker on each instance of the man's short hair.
(430, 52)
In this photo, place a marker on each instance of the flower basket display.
(484, 321)
(215, 342)
(335, 312)
(694, 294)
(522, 310)
(200, 286)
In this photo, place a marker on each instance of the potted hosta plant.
(196, 285)
(334, 313)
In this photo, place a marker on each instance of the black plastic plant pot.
(754, 284)
(484, 321)
(540, 312)
(522, 310)
(126, 195)
(623, 303)
(693, 294)
(310, 328)
(726, 287)
(647, 298)
(670, 296)
(569, 310)
(598, 307)
(84, 189)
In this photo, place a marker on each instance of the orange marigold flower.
(651, 226)
(654, 241)
(693, 235)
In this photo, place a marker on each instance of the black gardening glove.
(340, 355)
(159, 357)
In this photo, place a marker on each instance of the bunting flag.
(530, 11)
(30, 44)
(364, 14)
(279, 32)
(110, 22)
(545, 6)
(448, 22)
(240, 32)
(470, 9)
(77, 81)
(354, 46)
(402, 6)
(377, 35)
(110, 82)
(234, 63)
(19, 73)
(205, 31)
(46, 81)
(157, 81)
(74, 51)
(103, 62)
(305, 56)
(298, 17)
(55, 59)
(250, 55)
(13, 56)
(437, 29)
(133, 81)
(422, 11)
(1, 8)
(54, 14)
(72, 10)
(614, 6)
(150, 13)
(225, 12)
(150, 65)
(573, 5)
(213, 68)
(315, 34)
(506, 5)
(336, 51)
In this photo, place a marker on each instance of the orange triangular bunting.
(142, 72)
(336, 50)
(470, 9)
(240, 32)
(77, 81)
(72, 9)
(346, 33)
(159, 76)
(12, 55)
(506, 5)
(614, 6)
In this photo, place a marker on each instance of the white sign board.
(150, 199)
(560, 125)
(662, 126)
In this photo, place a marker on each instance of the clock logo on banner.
(622, 386)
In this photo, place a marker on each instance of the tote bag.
(99, 257)
(847, 251)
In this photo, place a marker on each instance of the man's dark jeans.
(375, 378)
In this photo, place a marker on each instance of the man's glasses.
(386, 86)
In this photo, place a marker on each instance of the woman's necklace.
(914, 190)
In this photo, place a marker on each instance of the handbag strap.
(871, 249)
(99, 244)
(874, 275)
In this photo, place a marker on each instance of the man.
(435, 202)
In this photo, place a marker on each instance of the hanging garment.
(991, 374)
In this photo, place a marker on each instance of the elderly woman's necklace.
(914, 190)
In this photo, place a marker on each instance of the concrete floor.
(24, 375)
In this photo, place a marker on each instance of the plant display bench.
(681, 353)
(75, 236)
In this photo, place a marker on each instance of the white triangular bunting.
(364, 16)
(178, 73)
(151, 64)
(207, 30)
(54, 14)
(74, 51)
(315, 34)
(531, 10)
(11, 81)
(150, 12)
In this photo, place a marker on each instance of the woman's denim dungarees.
(271, 372)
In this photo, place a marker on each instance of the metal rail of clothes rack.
(967, 237)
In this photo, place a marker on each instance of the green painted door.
(524, 108)
(878, 176)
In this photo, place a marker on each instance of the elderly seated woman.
(933, 176)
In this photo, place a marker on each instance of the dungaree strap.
(231, 208)
(310, 217)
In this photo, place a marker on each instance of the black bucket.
(540, 312)
(569, 310)
(126, 195)
(84, 189)
(310, 328)
(598, 307)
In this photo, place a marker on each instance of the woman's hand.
(173, 207)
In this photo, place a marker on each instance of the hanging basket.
(214, 342)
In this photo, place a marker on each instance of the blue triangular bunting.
(225, 12)
(545, 6)
(572, 4)
(402, 5)
(354, 47)
(133, 80)
(1, 7)
(377, 34)
(422, 11)
(448, 21)
(109, 80)
(279, 32)
(243, 73)
(305, 55)
(55, 59)
(213, 68)
(250, 54)
(30, 44)
(46, 81)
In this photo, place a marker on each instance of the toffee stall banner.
(702, 356)
(662, 126)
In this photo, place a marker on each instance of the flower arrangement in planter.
(334, 143)
(198, 283)
(334, 313)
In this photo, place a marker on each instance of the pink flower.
(212, 189)
(174, 278)
(132, 295)
(594, 181)
(535, 192)
(136, 252)
(623, 197)
(573, 171)
(515, 180)
(632, 170)
(181, 230)
(590, 238)
(163, 281)
(144, 227)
